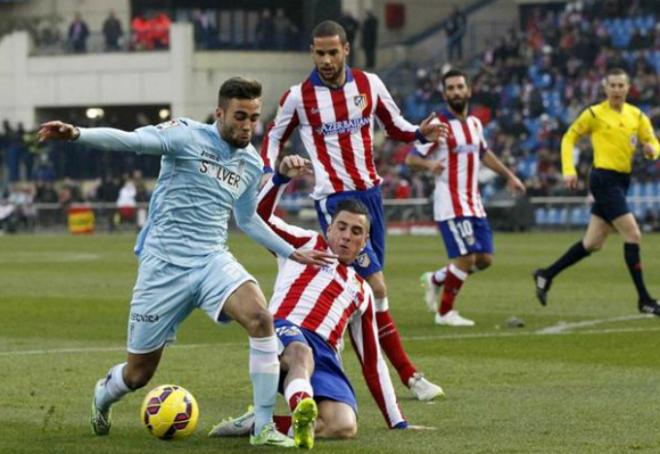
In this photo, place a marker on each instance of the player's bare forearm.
(416, 162)
(492, 162)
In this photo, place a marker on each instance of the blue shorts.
(329, 381)
(372, 258)
(609, 189)
(466, 235)
(165, 294)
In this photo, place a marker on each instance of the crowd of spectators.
(531, 84)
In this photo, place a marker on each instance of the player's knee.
(635, 237)
(298, 353)
(484, 261)
(260, 323)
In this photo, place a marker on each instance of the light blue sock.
(264, 373)
(112, 389)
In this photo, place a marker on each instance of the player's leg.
(336, 420)
(298, 362)
(247, 306)
(627, 227)
(159, 303)
(593, 240)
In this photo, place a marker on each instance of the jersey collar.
(316, 80)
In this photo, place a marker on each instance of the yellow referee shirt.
(614, 137)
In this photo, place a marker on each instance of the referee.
(616, 128)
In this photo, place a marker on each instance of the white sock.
(440, 275)
(296, 390)
(382, 304)
(265, 374)
(113, 389)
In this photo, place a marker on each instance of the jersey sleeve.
(390, 117)
(269, 197)
(279, 130)
(364, 338)
(247, 219)
(647, 135)
(579, 128)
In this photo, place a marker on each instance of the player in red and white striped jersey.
(313, 307)
(457, 203)
(335, 109)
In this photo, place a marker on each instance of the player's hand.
(514, 184)
(649, 151)
(313, 257)
(436, 167)
(571, 182)
(293, 166)
(57, 130)
(433, 130)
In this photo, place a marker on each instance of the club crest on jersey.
(360, 100)
(363, 260)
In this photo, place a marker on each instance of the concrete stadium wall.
(186, 80)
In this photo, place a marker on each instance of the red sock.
(295, 399)
(453, 283)
(282, 423)
(390, 342)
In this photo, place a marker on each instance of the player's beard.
(333, 79)
(232, 137)
(458, 105)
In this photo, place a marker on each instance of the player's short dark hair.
(352, 206)
(454, 73)
(238, 88)
(329, 28)
(615, 72)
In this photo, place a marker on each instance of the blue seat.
(541, 216)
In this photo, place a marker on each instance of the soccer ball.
(169, 412)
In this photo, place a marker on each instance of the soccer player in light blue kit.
(207, 172)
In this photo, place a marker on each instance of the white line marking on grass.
(487, 335)
(562, 327)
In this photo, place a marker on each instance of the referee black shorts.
(609, 189)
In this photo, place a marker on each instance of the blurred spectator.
(265, 31)
(455, 29)
(78, 34)
(352, 26)
(370, 39)
(283, 30)
(160, 31)
(205, 31)
(126, 203)
(112, 32)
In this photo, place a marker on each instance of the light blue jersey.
(202, 180)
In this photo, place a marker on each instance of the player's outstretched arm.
(149, 140)
(418, 162)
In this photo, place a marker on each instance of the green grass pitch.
(591, 386)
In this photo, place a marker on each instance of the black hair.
(352, 206)
(238, 88)
(454, 73)
(329, 28)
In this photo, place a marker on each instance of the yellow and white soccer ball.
(169, 412)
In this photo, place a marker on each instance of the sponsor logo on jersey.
(144, 318)
(342, 127)
(466, 148)
(222, 174)
(167, 124)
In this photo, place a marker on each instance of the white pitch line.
(563, 326)
(488, 335)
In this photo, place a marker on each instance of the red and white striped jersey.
(457, 187)
(327, 300)
(336, 128)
